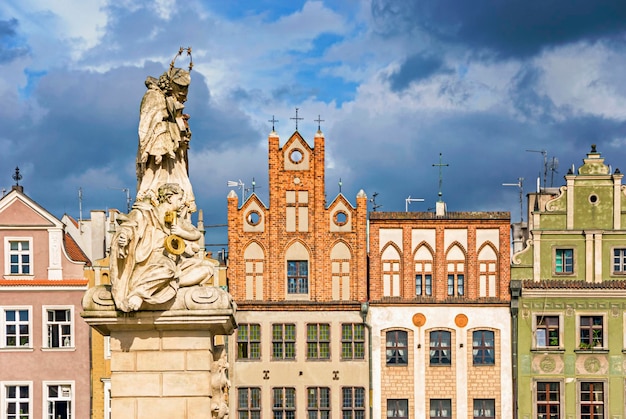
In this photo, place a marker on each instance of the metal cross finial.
(297, 119)
(17, 177)
(319, 120)
(340, 185)
(273, 120)
(440, 194)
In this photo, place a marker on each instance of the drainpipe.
(364, 311)
(516, 293)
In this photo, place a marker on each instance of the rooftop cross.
(273, 120)
(440, 165)
(297, 119)
(319, 120)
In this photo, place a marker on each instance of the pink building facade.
(44, 344)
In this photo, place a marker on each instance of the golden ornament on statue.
(173, 244)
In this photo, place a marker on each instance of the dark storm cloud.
(505, 29)
(11, 45)
(528, 99)
(415, 68)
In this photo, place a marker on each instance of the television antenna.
(373, 201)
(127, 192)
(520, 185)
(440, 165)
(409, 200)
(544, 153)
(552, 166)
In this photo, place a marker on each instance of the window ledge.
(18, 277)
(555, 349)
(63, 349)
(592, 351)
(16, 349)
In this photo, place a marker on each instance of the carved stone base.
(163, 362)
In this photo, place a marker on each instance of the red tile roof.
(43, 282)
(74, 251)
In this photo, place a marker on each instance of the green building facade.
(568, 285)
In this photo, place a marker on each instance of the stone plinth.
(163, 362)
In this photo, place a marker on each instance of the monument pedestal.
(164, 363)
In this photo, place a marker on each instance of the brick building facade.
(298, 272)
(439, 309)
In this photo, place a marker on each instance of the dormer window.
(18, 255)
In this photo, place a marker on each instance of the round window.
(296, 156)
(593, 198)
(341, 218)
(253, 218)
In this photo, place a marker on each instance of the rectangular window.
(547, 331)
(591, 400)
(59, 328)
(318, 403)
(548, 400)
(619, 261)
(397, 408)
(59, 401)
(440, 408)
(17, 403)
(283, 341)
(284, 403)
(397, 346)
(352, 341)
(353, 403)
(15, 327)
(591, 332)
(485, 408)
(424, 284)
(564, 261)
(440, 346)
(249, 341)
(483, 347)
(457, 280)
(318, 341)
(18, 257)
(249, 403)
(297, 277)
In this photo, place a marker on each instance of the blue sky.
(396, 82)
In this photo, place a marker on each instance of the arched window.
(455, 260)
(483, 347)
(397, 346)
(487, 272)
(440, 347)
(423, 261)
(340, 265)
(297, 260)
(391, 272)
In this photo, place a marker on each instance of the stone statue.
(155, 251)
(164, 136)
(220, 384)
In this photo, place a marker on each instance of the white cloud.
(582, 78)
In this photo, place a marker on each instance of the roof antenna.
(373, 201)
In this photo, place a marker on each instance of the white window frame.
(561, 330)
(605, 393)
(71, 399)
(3, 398)
(561, 393)
(44, 328)
(107, 397)
(107, 347)
(7, 258)
(605, 331)
(3, 329)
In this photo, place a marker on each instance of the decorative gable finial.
(297, 119)
(17, 176)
